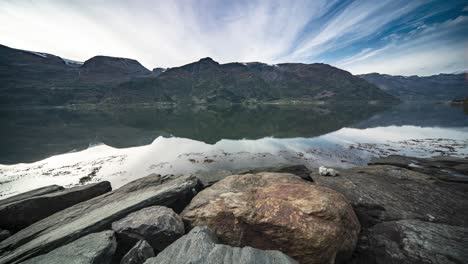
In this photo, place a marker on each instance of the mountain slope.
(31, 78)
(207, 81)
(435, 87)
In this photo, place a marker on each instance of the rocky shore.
(395, 210)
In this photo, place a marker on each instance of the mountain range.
(32, 78)
(441, 87)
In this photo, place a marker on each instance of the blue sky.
(387, 36)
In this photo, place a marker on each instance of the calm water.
(30, 135)
(62, 146)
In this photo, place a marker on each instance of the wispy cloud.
(355, 35)
(425, 50)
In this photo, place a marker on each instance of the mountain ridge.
(32, 78)
(440, 87)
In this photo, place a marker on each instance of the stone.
(96, 248)
(97, 214)
(138, 254)
(4, 234)
(32, 193)
(280, 211)
(327, 172)
(208, 178)
(445, 168)
(407, 216)
(201, 246)
(23, 210)
(413, 241)
(387, 193)
(158, 225)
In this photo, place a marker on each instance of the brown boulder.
(278, 211)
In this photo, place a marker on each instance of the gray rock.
(445, 168)
(201, 246)
(97, 214)
(407, 216)
(158, 225)
(413, 241)
(4, 234)
(23, 210)
(32, 193)
(138, 254)
(96, 248)
(387, 193)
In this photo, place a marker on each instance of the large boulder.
(97, 214)
(138, 253)
(413, 241)
(25, 209)
(387, 193)
(158, 225)
(280, 211)
(96, 248)
(201, 246)
(208, 178)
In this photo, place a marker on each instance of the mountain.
(103, 69)
(207, 81)
(32, 78)
(436, 87)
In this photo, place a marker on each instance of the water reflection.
(34, 134)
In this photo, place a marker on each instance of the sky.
(397, 37)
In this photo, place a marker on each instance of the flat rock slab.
(96, 248)
(138, 253)
(4, 234)
(158, 225)
(445, 168)
(387, 193)
(414, 241)
(32, 193)
(201, 246)
(97, 214)
(25, 209)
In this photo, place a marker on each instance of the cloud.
(356, 21)
(423, 51)
(172, 33)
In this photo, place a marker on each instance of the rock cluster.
(97, 214)
(22, 210)
(407, 212)
(407, 216)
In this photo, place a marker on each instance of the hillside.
(31, 78)
(207, 81)
(442, 87)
